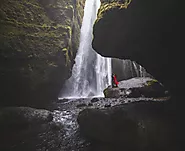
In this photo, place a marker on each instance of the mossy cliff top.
(38, 43)
(108, 5)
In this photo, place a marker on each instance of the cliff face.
(147, 32)
(126, 69)
(38, 44)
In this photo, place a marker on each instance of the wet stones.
(94, 100)
(108, 105)
(81, 105)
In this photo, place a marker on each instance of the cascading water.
(126, 69)
(138, 71)
(91, 72)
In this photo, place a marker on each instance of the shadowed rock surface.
(137, 87)
(108, 124)
(23, 117)
(143, 126)
(147, 32)
(35, 130)
(38, 44)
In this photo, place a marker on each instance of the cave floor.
(62, 133)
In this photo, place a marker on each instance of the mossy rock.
(151, 82)
(38, 44)
(111, 4)
(110, 92)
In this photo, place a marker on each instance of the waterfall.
(126, 69)
(139, 70)
(136, 69)
(91, 73)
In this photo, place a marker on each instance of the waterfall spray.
(91, 73)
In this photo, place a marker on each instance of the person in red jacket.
(114, 81)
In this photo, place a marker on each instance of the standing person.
(114, 81)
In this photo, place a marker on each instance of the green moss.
(32, 4)
(106, 6)
(19, 50)
(52, 6)
(27, 28)
(53, 64)
(66, 53)
(151, 82)
(45, 26)
(32, 35)
(64, 49)
(105, 91)
(69, 7)
(43, 31)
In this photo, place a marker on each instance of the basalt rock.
(148, 32)
(143, 126)
(94, 100)
(38, 44)
(110, 92)
(137, 87)
(19, 118)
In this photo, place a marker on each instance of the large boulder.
(20, 118)
(26, 114)
(38, 43)
(137, 87)
(110, 92)
(148, 32)
(143, 126)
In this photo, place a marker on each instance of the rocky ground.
(129, 121)
(24, 128)
(137, 87)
